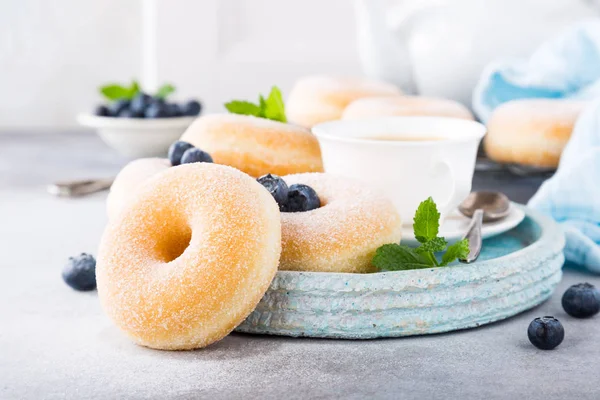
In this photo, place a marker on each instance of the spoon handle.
(473, 235)
(79, 188)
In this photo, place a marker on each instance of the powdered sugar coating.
(189, 257)
(257, 146)
(320, 98)
(372, 107)
(129, 179)
(531, 131)
(343, 234)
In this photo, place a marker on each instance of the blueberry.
(157, 110)
(302, 198)
(118, 106)
(129, 113)
(158, 100)
(581, 300)
(546, 333)
(194, 155)
(140, 102)
(174, 110)
(176, 151)
(102, 111)
(277, 187)
(191, 108)
(80, 272)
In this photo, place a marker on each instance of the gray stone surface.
(55, 343)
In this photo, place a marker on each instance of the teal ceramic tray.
(515, 272)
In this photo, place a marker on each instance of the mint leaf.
(243, 108)
(133, 89)
(164, 91)
(262, 104)
(115, 92)
(395, 257)
(434, 245)
(271, 108)
(457, 250)
(275, 109)
(427, 221)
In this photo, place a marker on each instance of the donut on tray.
(343, 234)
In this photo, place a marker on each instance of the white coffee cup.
(409, 158)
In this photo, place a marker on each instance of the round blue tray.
(515, 272)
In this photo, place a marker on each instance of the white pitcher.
(440, 47)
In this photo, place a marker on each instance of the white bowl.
(135, 138)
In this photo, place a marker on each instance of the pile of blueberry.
(185, 153)
(579, 301)
(145, 106)
(295, 198)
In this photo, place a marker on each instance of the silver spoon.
(482, 207)
(79, 188)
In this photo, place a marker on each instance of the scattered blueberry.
(302, 198)
(80, 272)
(157, 110)
(176, 151)
(118, 106)
(102, 111)
(191, 108)
(277, 187)
(140, 102)
(546, 333)
(581, 300)
(194, 155)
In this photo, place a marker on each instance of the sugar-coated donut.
(189, 257)
(386, 106)
(129, 179)
(316, 99)
(256, 146)
(343, 234)
(531, 132)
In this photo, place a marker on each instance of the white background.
(54, 54)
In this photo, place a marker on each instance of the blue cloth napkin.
(567, 66)
(572, 195)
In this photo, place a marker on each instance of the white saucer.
(455, 226)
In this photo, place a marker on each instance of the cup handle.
(460, 190)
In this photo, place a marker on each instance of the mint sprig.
(115, 91)
(395, 257)
(271, 108)
(427, 221)
(164, 91)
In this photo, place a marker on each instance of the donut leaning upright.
(189, 257)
